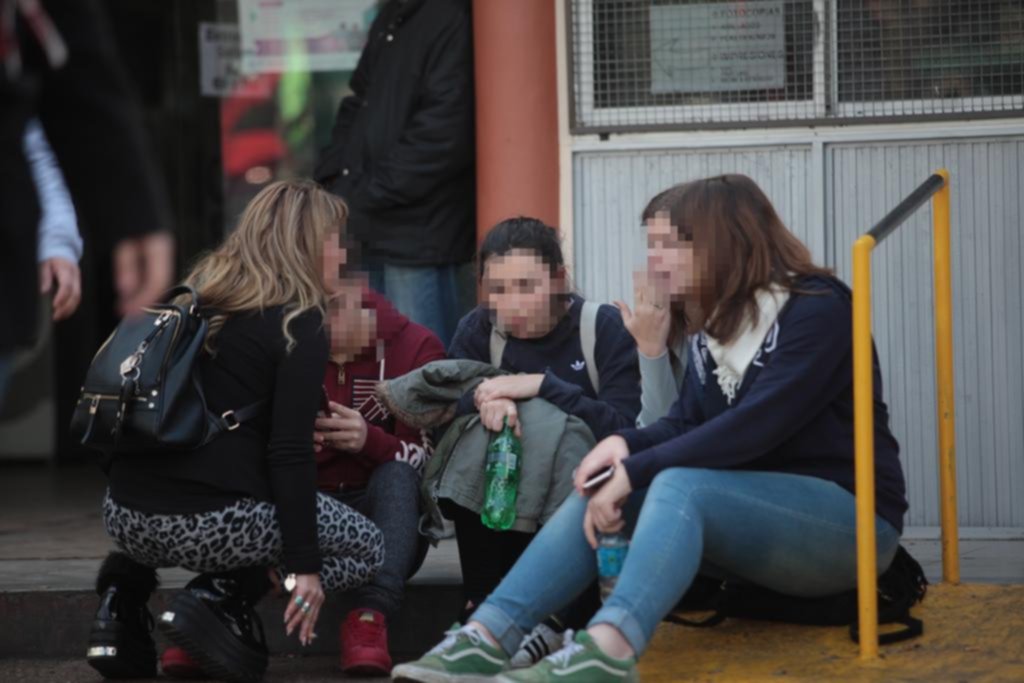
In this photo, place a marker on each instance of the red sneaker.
(364, 644)
(176, 663)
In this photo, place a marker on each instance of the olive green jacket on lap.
(553, 443)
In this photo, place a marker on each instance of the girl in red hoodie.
(371, 461)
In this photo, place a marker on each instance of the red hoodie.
(402, 346)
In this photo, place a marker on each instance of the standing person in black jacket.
(58, 64)
(247, 501)
(401, 155)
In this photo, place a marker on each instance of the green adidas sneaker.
(580, 661)
(464, 656)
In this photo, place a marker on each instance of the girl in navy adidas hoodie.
(526, 294)
(750, 476)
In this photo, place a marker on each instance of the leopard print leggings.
(244, 534)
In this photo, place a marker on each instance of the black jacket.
(94, 125)
(402, 148)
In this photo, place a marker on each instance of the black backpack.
(142, 390)
(901, 587)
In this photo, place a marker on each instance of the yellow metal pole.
(944, 383)
(864, 449)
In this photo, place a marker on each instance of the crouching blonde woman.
(242, 511)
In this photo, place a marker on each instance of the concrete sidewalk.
(319, 669)
(53, 542)
(53, 538)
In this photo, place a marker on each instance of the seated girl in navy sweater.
(749, 476)
(526, 293)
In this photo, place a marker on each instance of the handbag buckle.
(230, 420)
(130, 365)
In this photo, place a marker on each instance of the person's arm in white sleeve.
(59, 246)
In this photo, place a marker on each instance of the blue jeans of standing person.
(434, 296)
(793, 534)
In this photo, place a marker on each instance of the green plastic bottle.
(504, 459)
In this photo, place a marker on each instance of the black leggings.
(486, 555)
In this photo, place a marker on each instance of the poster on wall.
(303, 35)
(220, 72)
(720, 47)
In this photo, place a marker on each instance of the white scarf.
(734, 358)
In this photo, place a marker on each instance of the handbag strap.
(230, 420)
(178, 290)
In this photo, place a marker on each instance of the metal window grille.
(649, 64)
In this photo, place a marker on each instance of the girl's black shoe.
(214, 621)
(121, 641)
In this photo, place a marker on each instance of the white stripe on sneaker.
(582, 666)
(411, 672)
(474, 651)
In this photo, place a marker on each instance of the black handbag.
(142, 390)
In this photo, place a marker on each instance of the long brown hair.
(274, 256)
(740, 241)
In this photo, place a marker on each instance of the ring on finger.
(299, 600)
(306, 607)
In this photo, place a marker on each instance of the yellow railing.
(936, 188)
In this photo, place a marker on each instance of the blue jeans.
(434, 296)
(793, 534)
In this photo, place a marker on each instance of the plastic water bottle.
(611, 556)
(504, 457)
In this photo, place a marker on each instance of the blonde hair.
(273, 258)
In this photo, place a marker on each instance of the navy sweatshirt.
(559, 356)
(792, 413)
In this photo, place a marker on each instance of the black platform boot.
(213, 619)
(121, 642)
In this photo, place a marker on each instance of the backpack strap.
(716, 618)
(902, 586)
(498, 341)
(912, 628)
(588, 340)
